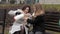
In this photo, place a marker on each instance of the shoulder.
(20, 10)
(40, 17)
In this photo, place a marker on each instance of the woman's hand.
(25, 17)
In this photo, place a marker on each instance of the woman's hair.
(39, 9)
(25, 6)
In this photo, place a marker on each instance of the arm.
(13, 13)
(30, 21)
(18, 16)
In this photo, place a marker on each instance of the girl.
(20, 16)
(38, 22)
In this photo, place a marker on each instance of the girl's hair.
(25, 6)
(38, 8)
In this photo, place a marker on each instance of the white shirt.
(18, 21)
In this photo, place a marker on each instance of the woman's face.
(26, 10)
(34, 8)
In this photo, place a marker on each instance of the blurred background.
(29, 1)
(51, 7)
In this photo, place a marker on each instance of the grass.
(52, 32)
(46, 6)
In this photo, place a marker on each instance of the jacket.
(38, 23)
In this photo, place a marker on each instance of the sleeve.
(18, 16)
(30, 21)
(17, 13)
(12, 13)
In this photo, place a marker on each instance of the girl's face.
(34, 8)
(26, 10)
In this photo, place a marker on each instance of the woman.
(38, 22)
(20, 17)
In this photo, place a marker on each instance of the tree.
(12, 1)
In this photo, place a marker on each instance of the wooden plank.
(51, 21)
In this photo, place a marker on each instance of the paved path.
(48, 32)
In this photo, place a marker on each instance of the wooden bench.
(52, 20)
